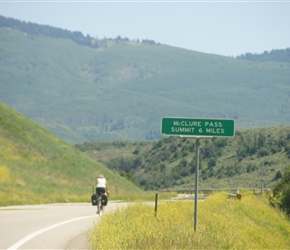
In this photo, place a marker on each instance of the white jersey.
(101, 183)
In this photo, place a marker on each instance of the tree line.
(275, 55)
(76, 36)
(170, 161)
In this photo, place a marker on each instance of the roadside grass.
(222, 224)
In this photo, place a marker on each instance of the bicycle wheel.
(99, 204)
(101, 210)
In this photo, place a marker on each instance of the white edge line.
(31, 236)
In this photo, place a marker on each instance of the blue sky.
(227, 28)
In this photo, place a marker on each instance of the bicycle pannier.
(94, 199)
(104, 200)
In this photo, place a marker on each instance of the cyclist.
(102, 186)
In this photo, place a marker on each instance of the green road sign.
(197, 127)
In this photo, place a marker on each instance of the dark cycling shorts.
(100, 190)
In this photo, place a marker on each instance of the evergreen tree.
(282, 191)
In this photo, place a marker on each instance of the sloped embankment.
(38, 167)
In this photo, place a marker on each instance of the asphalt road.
(53, 226)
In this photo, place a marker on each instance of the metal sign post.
(196, 185)
(197, 128)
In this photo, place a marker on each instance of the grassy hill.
(253, 157)
(121, 89)
(38, 167)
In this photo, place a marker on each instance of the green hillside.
(253, 157)
(37, 167)
(120, 89)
